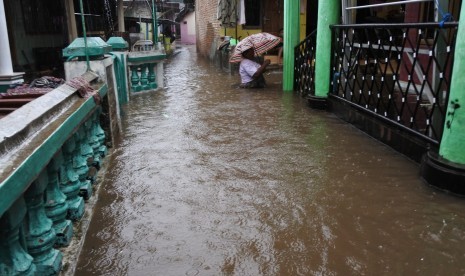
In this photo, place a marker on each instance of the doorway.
(273, 18)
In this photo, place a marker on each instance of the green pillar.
(453, 136)
(446, 170)
(328, 14)
(291, 39)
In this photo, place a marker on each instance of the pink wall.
(188, 29)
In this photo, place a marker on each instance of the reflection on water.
(210, 179)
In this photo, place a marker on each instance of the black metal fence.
(397, 72)
(304, 66)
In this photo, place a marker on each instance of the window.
(390, 11)
(43, 17)
(252, 13)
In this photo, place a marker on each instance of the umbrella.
(261, 43)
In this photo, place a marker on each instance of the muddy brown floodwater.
(209, 179)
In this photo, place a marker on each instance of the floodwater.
(210, 179)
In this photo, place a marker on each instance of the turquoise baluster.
(14, 260)
(135, 79)
(143, 77)
(81, 155)
(56, 206)
(152, 76)
(39, 233)
(99, 132)
(93, 141)
(69, 181)
(87, 150)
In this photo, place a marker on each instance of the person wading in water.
(252, 72)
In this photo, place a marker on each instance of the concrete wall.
(207, 27)
(188, 34)
(104, 69)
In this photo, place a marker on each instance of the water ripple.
(208, 179)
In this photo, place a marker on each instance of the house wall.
(188, 29)
(240, 32)
(207, 27)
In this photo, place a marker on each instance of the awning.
(163, 21)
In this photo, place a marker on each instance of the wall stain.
(454, 105)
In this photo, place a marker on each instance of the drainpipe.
(84, 34)
(121, 26)
(290, 40)
(446, 170)
(7, 77)
(328, 14)
(155, 27)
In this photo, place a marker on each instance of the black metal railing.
(304, 66)
(397, 72)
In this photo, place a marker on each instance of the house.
(186, 18)
(223, 18)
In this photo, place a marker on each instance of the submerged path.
(209, 179)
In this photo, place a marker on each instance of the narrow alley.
(210, 179)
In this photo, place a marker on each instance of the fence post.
(446, 170)
(328, 14)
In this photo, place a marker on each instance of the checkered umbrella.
(261, 43)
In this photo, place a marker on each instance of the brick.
(207, 26)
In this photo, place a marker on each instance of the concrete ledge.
(442, 174)
(25, 121)
(32, 142)
(397, 138)
(145, 57)
(317, 102)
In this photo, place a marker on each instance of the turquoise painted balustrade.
(146, 70)
(50, 153)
